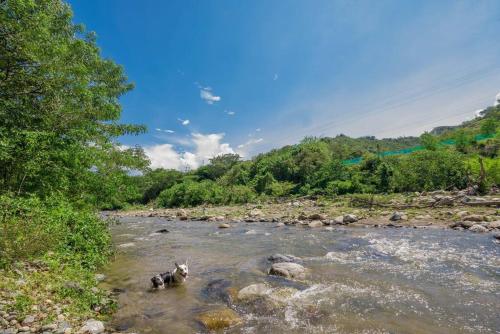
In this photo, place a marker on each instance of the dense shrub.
(431, 170)
(30, 227)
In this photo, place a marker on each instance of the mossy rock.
(219, 319)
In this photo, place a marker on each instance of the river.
(360, 280)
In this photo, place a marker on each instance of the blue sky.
(216, 77)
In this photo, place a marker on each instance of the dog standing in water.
(176, 277)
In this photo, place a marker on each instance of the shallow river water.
(361, 280)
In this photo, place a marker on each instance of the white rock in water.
(92, 327)
(315, 223)
(288, 270)
(254, 290)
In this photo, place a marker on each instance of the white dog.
(177, 276)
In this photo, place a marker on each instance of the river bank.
(438, 209)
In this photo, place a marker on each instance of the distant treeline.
(317, 166)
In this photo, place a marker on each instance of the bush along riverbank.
(50, 253)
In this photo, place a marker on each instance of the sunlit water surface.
(362, 280)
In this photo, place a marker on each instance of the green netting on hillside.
(409, 150)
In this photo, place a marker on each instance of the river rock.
(288, 270)
(317, 216)
(280, 224)
(474, 218)
(462, 214)
(92, 327)
(315, 223)
(224, 225)
(219, 319)
(99, 277)
(397, 216)
(276, 258)
(253, 291)
(494, 224)
(338, 220)
(29, 320)
(350, 218)
(163, 230)
(255, 213)
(478, 228)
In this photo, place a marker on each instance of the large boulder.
(315, 223)
(478, 228)
(338, 220)
(92, 327)
(276, 258)
(349, 218)
(288, 270)
(219, 319)
(254, 291)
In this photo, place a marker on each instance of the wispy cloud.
(230, 113)
(244, 149)
(275, 77)
(184, 121)
(165, 130)
(207, 95)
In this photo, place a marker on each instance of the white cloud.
(207, 95)
(497, 100)
(257, 130)
(205, 147)
(243, 149)
(230, 113)
(184, 121)
(275, 77)
(165, 130)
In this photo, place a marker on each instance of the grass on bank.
(49, 252)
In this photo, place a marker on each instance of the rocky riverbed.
(455, 210)
(272, 277)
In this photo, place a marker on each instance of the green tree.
(429, 142)
(489, 127)
(59, 107)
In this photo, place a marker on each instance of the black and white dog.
(177, 276)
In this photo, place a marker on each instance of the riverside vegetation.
(60, 163)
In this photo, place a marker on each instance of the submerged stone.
(219, 319)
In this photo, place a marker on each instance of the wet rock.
(478, 228)
(463, 224)
(496, 235)
(474, 218)
(350, 218)
(224, 225)
(280, 224)
(397, 216)
(163, 230)
(217, 290)
(92, 327)
(288, 270)
(253, 291)
(315, 223)
(181, 213)
(317, 216)
(276, 258)
(219, 319)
